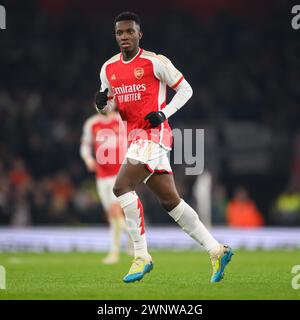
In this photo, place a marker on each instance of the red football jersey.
(104, 139)
(139, 86)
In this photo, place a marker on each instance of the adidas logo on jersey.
(113, 77)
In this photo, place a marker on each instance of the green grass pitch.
(176, 275)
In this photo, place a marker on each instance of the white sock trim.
(177, 212)
(127, 198)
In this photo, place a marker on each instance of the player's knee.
(117, 190)
(121, 188)
(169, 203)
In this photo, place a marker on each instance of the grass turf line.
(176, 275)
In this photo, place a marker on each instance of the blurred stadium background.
(242, 60)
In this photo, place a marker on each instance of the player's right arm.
(105, 96)
(86, 147)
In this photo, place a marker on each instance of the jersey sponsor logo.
(132, 88)
(129, 93)
(138, 73)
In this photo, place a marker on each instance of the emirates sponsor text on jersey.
(129, 93)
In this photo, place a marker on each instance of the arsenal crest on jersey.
(138, 73)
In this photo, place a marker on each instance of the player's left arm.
(175, 80)
(183, 93)
(165, 71)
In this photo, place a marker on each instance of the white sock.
(123, 225)
(134, 217)
(189, 221)
(115, 230)
(124, 228)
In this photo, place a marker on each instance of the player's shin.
(189, 221)
(134, 217)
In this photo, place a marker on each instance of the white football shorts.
(153, 155)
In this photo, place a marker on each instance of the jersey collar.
(136, 56)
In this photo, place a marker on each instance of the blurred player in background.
(136, 81)
(103, 145)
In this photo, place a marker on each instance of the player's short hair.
(127, 15)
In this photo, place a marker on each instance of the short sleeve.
(166, 71)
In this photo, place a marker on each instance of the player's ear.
(140, 35)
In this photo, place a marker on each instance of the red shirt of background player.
(106, 137)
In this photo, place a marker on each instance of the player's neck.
(128, 55)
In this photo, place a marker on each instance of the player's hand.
(101, 99)
(155, 119)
